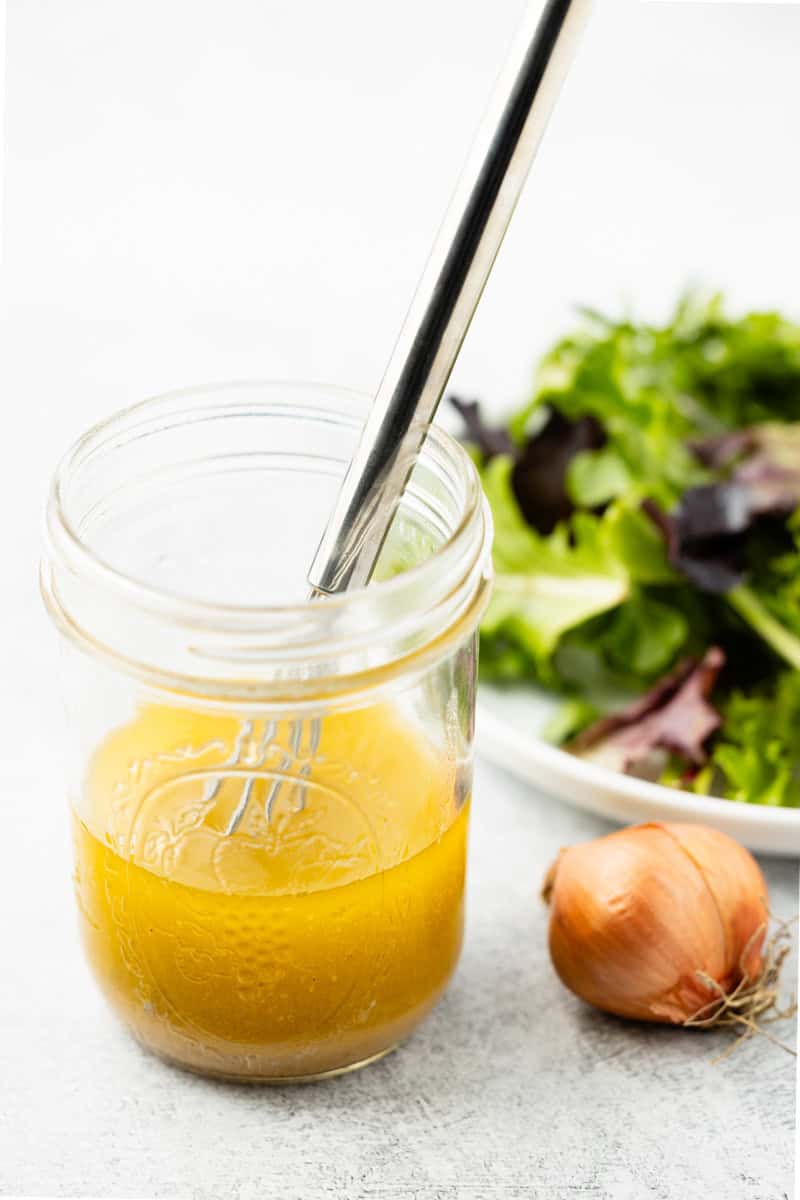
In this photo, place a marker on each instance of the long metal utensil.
(448, 293)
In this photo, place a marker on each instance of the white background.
(198, 190)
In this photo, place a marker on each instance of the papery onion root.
(751, 999)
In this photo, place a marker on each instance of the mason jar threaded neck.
(179, 530)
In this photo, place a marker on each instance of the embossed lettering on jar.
(269, 797)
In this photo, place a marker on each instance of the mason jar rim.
(65, 547)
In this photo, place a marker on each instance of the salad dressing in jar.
(257, 902)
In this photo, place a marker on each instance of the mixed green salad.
(646, 503)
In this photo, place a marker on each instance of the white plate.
(509, 723)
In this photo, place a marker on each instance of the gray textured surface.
(512, 1088)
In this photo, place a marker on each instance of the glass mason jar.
(269, 795)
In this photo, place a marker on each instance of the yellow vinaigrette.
(312, 939)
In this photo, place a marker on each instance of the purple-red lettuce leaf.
(489, 440)
(675, 716)
(541, 462)
(540, 475)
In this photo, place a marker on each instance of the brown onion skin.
(635, 915)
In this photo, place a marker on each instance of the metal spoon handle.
(448, 294)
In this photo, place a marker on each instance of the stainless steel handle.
(448, 294)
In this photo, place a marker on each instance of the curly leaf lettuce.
(545, 586)
(758, 752)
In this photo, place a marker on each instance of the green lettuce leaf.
(545, 586)
(770, 601)
(595, 477)
(645, 636)
(758, 751)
